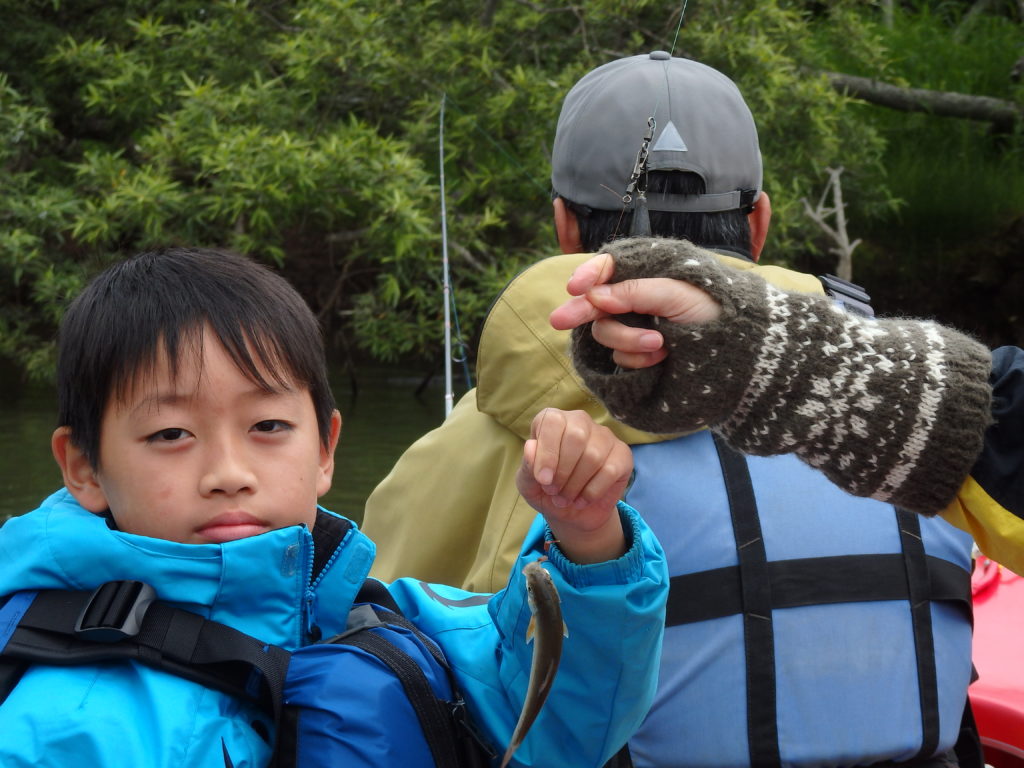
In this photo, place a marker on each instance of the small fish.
(546, 631)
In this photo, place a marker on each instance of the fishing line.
(671, 52)
(679, 26)
(635, 196)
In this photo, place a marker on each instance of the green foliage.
(951, 250)
(305, 132)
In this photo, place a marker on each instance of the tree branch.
(843, 248)
(1001, 113)
(487, 16)
(465, 253)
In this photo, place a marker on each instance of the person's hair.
(113, 333)
(729, 229)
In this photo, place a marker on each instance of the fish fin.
(565, 629)
(530, 628)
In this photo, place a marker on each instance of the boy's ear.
(326, 470)
(79, 475)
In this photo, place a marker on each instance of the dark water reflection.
(379, 423)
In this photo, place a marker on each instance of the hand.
(573, 472)
(596, 300)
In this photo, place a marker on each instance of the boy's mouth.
(229, 526)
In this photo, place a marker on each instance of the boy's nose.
(226, 471)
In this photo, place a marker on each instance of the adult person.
(830, 664)
(942, 417)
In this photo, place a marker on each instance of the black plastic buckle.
(114, 611)
(478, 751)
(747, 197)
(850, 295)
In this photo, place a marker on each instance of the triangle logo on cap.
(670, 140)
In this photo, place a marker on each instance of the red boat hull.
(997, 697)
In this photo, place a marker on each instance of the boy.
(197, 431)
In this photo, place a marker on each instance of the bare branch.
(347, 236)
(490, 8)
(1002, 114)
(543, 9)
(843, 248)
(334, 298)
(465, 253)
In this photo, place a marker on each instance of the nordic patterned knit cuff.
(892, 409)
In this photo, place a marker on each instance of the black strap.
(439, 719)
(921, 618)
(56, 626)
(374, 591)
(621, 759)
(756, 592)
(968, 750)
(715, 593)
(450, 733)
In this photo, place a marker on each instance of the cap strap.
(706, 203)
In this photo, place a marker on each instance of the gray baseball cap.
(701, 124)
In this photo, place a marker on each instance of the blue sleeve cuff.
(627, 569)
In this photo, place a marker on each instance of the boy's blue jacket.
(122, 713)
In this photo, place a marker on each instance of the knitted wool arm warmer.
(891, 409)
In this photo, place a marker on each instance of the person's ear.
(567, 228)
(760, 217)
(326, 468)
(79, 475)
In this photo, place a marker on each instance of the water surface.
(378, 424)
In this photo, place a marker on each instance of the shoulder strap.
(123, 620)
(451, 735)
(374, 591)
(756, 607)
(433, 714)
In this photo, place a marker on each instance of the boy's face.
(208, 456)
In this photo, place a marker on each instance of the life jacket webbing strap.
(921, 618)
(715, 593)
(435, 718)
(756, 590)
(170, 638)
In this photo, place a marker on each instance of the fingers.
(578, 311)
(574, 313)
(594, 271)
(573, 461)
(674, 300)
(626, 338)
(639, 360)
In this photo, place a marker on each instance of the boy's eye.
(270, 425)
(167, 435)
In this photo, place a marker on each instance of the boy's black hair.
(114, 332)
(729, 229)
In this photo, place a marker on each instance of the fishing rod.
(449, 393)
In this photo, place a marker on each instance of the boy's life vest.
(378, 694)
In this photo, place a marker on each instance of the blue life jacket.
(378, 694)
(805, 626)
